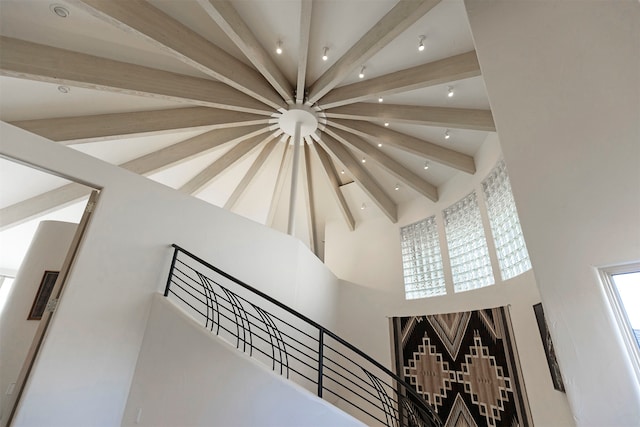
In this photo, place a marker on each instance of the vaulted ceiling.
(190, 93)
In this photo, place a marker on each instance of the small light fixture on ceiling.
(397, 187)
(64, 89)
(379, 144)
(421, 43)
(450, 91)
(361, 75)
(342, 172)
(380, 99)
(59, 10)
(279, 47)
(363, 207)
(364, 160)
(324, 53)
(447, 135)
(386, 124)
(426, 165)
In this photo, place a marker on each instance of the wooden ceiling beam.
(100, 127)
(450, 69)
(403, 174)
(334, 182)
(303, 51)
(251, 173)
(33, 61)
(408, 143)
(144, 165)
(140, 18)
(457, 118)
(398, 19)
(187, 149)
(278, 189)
(225, 15)
(361, 175)
(42, 203)
(235, 154)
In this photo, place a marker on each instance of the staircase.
(294, 346)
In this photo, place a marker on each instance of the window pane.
(422, 260)
(470, 263)
(513, 257)
(628, 288)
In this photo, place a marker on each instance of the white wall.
(47, 251)
(370, 261)
(84, 370)
(563, 80)
(185, 376)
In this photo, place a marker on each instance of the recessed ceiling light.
(361, 75)
(426, 165)
(324, 53)
(364, 160)
(342, 171)
(379, 144)
(363, 206)
(386, 124)
(397, 187)
(59, 10)
(380, 99)
(64, 89)
(279, 47)
(450, 91)
(421, 43)
(447, 135)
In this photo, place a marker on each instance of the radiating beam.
(457, 67)
(33, 61)
(408, 143)
(334, 182)
(182, 151)
(144, 165)
(251, 173)
(279, 187)
(311, 206)
(458, 118)
(361, 176)
(235, 154)
(228, 19)
(81, 129)
(398, 19)
(303, 49)
(41, 204)
(144, 20)
(390, 165)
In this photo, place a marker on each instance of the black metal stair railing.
(294, 346)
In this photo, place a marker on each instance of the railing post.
(320, 360)
(173, 263)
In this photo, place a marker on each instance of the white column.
(294, 178)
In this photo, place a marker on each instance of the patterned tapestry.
(465, 365)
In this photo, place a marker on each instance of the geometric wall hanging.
(465, 365)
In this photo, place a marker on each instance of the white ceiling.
(336, 24)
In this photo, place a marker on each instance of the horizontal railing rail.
(294, 346)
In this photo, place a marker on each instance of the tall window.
(422, 260)
(622, 287)
(470, 263)
(513, 257)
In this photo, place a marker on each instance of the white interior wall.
(47, 251)
(370, 261)
(83, 373)
(563, 80)
(186, 376)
